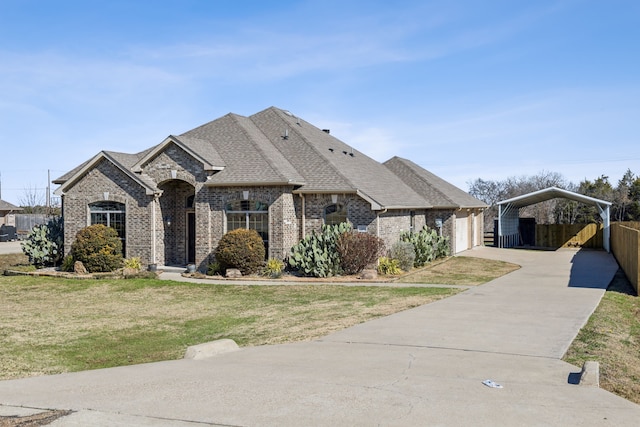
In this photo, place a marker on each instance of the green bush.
(389, 266)
(44, 243)
(99, 248)
(427, 244)
(273, 268)
(404, 253)
(357, 250)
(316, 255)
(133, 263)
(242, 249)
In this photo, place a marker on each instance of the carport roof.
(548, 194)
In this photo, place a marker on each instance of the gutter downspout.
(153, 229)
(303, 219)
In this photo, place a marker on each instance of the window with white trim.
(111, 214)
(250, 215)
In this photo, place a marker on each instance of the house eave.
(252, 184)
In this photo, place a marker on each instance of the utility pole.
(48, 191)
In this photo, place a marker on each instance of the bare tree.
(33, 199)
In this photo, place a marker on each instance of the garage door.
(462, 232)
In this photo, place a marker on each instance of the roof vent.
(326, 130)
(285, 135)
(331, 149)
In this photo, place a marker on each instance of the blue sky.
(467, 89)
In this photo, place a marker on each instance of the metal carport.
(509, 213)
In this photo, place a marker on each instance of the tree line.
(624, 196)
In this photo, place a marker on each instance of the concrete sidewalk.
(424, 366)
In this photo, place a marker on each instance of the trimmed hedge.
(242, 249)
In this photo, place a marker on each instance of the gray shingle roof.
(330, 165)
(248, 156)
(6, 206)
(274, 147)
(437, 191)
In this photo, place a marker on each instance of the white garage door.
(462, 231)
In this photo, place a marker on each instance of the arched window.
(111, 214)
(251, 215)
(335, 214)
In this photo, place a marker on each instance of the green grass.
(459, 270)
(612, 337)
(51, 325)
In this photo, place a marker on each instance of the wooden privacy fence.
(625, 245)
(569, 235)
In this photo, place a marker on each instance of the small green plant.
(404, 253)
(214, 269)
(67, 263)
(44, 244)
(274, 268)
(317, 255)
(389, 266)
(99, 248)
(133, 263)
(242, 249)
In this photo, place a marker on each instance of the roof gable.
(551, 193)
(69, 179)
(437, 191)
(201, 151)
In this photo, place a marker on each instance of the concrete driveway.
(10, 247)
(424, 366)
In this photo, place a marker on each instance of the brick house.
(272, 172)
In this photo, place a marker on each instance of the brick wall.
(107, 180)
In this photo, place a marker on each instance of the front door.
(191, 237)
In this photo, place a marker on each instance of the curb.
(590, 374)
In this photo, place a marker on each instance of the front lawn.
(459, 270)
(612, 337)
(51, 325)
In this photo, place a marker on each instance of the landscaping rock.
(233, 273)
(79, 268)
(368, 275)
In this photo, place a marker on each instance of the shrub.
(404, 253)
(133, 263)
(357, 250)
(273, 268)
(214, 269)
(44, 243)
(427, 244)
(99, 248)
(242, 249)
(388, 266)
(316, 255)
